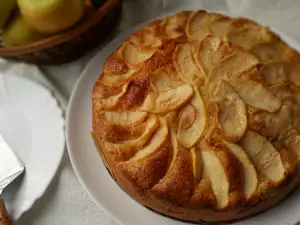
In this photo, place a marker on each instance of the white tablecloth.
(65, 202)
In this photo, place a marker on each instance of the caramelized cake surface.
(196, 117)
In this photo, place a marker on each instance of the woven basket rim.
(62, 37)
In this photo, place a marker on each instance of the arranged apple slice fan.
(196, 117)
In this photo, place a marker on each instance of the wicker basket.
(73, 43)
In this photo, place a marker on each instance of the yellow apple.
(17, 32)
(51, 16)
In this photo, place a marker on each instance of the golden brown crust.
(196, 117)
(147, 171)
(202, 197)
(178, 184)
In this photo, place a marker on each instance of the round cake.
(196, 116)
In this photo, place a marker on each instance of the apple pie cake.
(196, 116)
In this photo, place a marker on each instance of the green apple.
(17, 32)
(6, 8)
(51, 16)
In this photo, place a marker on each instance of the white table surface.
(66, 202)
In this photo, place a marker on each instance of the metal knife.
(10, 168)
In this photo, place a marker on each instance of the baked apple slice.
(224, 174)
(190, 131)
(116, 80)
(168, 100)
(249, 172)
(255, 94)
(196, 28)
(110, 102)
(294, 118)
(282, 92)
(291, 140)
(287, 93)
(173, 26)
(134, 54)
(147, 37)
(296, 94)
(232, 116)
(229, 67)
(154, 143)
(187, 116)
(245, 33)
(210, 52)
(125, 119)
(264, 156)
(163, 80)
(270, 52)
(184, 170)
(195, 154)
(126, 148)
(293, 73)
(185, 63)
(151, 162)
(275, 73)
(276, 126)
(219, 27)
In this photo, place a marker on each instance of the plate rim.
(59, 153)
(118, 38)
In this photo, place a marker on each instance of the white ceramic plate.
(32, 124)
(95, 178)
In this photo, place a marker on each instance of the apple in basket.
(17, 32)
(51, 16)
